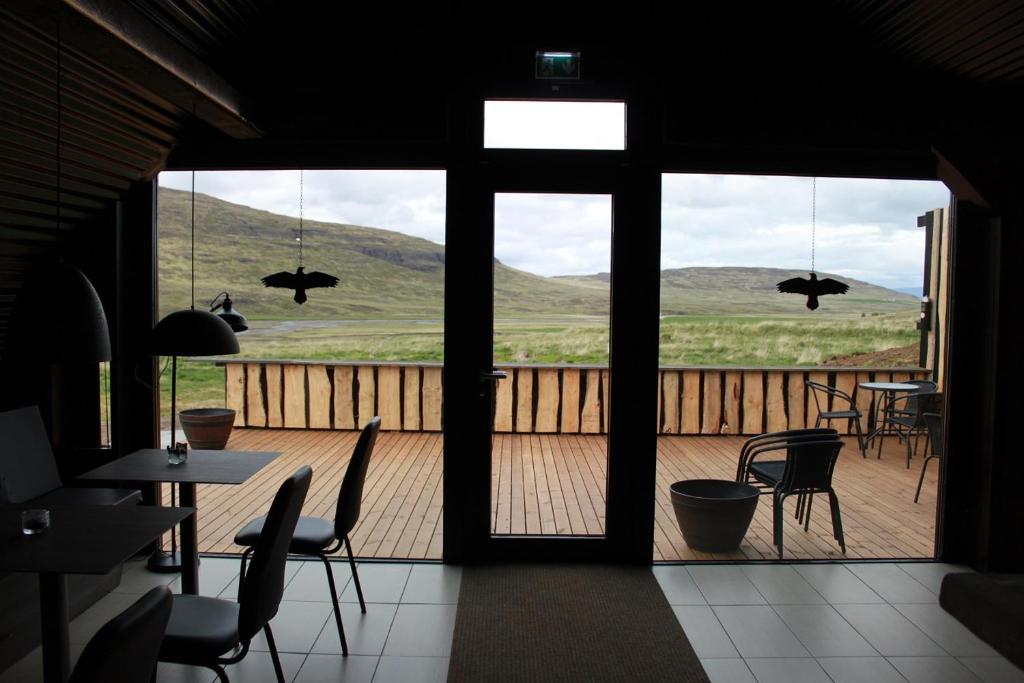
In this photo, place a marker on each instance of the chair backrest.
(27, 467)
(125, 649)
(809, 465)
(926, 402)
(935, 431)
(770, 441)
(924, 386)
(350, 497)
(822, 392)
(263, 584)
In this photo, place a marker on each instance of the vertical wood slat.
(712, 423)
(605, 392)
(411, 406)
(319, 385)
(295, 396)
(847, 383)
(939, 308)
(812, 407)
(775, 402)
(547, 401)
(795, 400)
(275, 395)
(389, 397)
(570, 401)
(432, 392)
(344, 408)
(863, 399)
(690, 423)
(255, 415)
(731, 402)
(753, 402)
(524, 400)
(367, 395)
(590, 416)
(661, 388)
(234, 391)
(670, 400)
(503, 403)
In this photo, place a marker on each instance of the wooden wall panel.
(255, 414)
(712, 421)
(605, 403)
(367, 395)
(389, 397)
(753, 402)
(275, 395)
(319, 396)
(795, 397)
(295, 396)
(570, 401)
(524, 400)
(411, 400)
(812, 407)
(690, 423)
(503, 403)
(670, 401)
(863, 400)
(432, 393)
(775, 403)
(660, 422)
(234, 391)
(344, 406)
(590, 416)
(548, 401)
(731, 403)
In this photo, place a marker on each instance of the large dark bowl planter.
(714, 514)
(207, 428)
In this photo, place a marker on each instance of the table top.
(86, 539)
(888, 386)
(202, 467)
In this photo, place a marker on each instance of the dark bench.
(991, 606)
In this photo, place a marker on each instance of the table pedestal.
(53, 615)
(189, 542)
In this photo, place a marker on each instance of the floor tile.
(782, 585)
(892, 583)
(993, 669)
(178, 673)
(889, 632)
(704, 631)
(930, 574)
(823, 631)
(30, 667)
(837, 584)
(727, 671)
(860, 670)
(365, 633)
(296, 626)
(787, 670)
(933, 670)
(215, 573)
(944, 629)
(436, 584)
(258, 667)
(136, 579)
(678, 585)
(725, 585)
(230, 591)
(85, 625)
(351, 669)
(411, 670)
(309, 584)
(421, 631)
(757, 631)
(381, 582)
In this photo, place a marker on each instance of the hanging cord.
(60, 112)
(193, 248)
(814, 212)
(300, 217)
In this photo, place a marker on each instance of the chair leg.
(920, 480)
(355, 574)
(273, 653)
(798, 513)
(241, 572)
(222, 675)
(777, 503)
(807, 511)
(909, 451)
(860, 438)
(837, 520)
(881, 439)
(335, 604)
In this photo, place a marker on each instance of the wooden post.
(590, 416)
(319, 397)
(432, 399)
(367, 395)
(731, 399)
(234, 391)
(776, 403)
(295, 396)
(411, 403)
(690, 423)
(712, 423)
(255, 414)
(275, 395)
(389, 397)
(753, 402)
(670, 401)
(524, 400)
(570, 401)
(344, 409)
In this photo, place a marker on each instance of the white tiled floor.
(748, 623)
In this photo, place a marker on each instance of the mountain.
(386, 274)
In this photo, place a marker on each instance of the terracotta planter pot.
(714, 514)
(207, 428)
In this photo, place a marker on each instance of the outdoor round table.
(890, 389)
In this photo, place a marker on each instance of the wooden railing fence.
(537, 399)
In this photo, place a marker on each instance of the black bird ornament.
(812, 288)
(300, 281)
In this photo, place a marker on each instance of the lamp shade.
(235, 320)
(59, 318)
(192, 333)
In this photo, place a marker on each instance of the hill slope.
(385, 274)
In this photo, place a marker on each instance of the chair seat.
(839, 414)
(200, 629)
(909, 422)
(768, 472)
(312, 534)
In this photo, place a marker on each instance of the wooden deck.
(554, 484)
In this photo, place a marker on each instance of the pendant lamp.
(223, 306)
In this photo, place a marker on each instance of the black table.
(889, 389)
(82, 539)
(202, 467)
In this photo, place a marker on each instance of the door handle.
(492, 375)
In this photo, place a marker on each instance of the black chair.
(316, 537)
(764, 474)
(125, 649)
(823, 396)
(202, 630)
(907, 404)
(913, 424)
(933, 422)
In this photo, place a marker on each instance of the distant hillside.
(385, 274)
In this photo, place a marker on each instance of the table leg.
(189, 542)
(53, 612)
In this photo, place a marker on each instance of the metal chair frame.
(853, 414)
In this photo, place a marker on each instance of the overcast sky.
(866, 229)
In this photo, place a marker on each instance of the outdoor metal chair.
(125, 649)
(913, 424)
(933, 422)
(316, 537)
(203, 631)
(826, 398)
